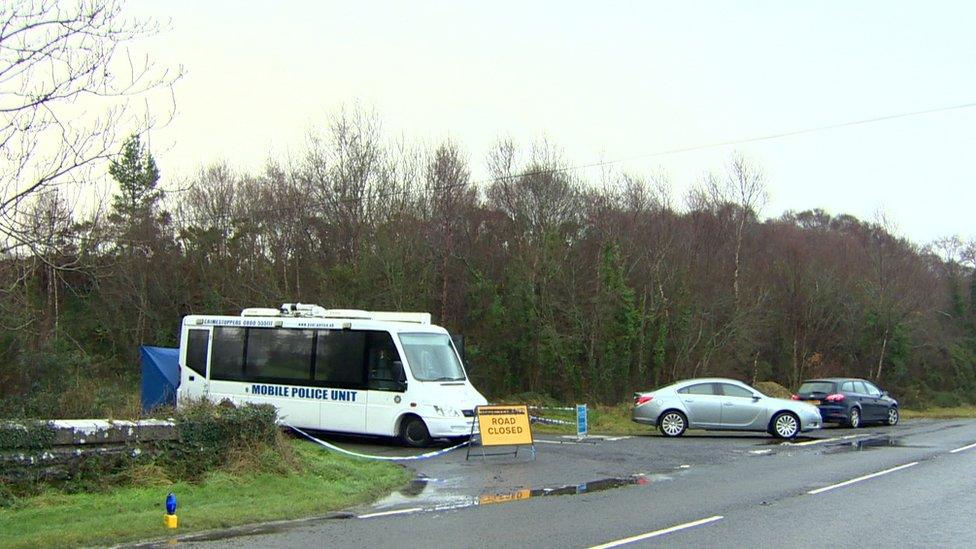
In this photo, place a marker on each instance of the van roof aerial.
(309, 310)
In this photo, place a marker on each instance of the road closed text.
(504, 425)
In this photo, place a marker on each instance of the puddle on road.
(872, 443)
(442, 494)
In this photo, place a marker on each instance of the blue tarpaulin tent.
(160, 376)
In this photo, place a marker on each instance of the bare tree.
(59, 63)
(744, 188)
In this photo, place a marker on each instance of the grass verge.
(323, 482)
(940, 413)
(601, 420)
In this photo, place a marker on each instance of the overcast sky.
(605, 81)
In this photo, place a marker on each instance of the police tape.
(560, 408)
(548, 421)
(383, 458)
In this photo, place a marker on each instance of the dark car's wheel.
(785, 425)
(672, 423)
(893, 416)
(854, 418)
(414, 433)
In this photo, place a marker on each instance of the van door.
(340, 367)
(194, 362)
(386, 382)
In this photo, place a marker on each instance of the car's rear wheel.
(414, 433)
(854, 418)
(786, 425)
(892, 416)
(672, 423)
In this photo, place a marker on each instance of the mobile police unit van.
(377, 373)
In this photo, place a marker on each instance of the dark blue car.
(849, 401)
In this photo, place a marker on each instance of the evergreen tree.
(136, 212)
(618, 323)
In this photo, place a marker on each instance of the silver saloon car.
(722, 404)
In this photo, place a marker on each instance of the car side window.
(700, 389)
(860, 388)
(872, 390)
(735, 391)
(847, 387)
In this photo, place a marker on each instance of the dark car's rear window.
(816, 387)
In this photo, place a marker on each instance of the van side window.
(197, 346)
(278, 355)
(227, 361)
(339, 357)
(380, 355)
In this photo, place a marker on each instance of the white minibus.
(352, 371)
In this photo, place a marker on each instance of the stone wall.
(47, 450)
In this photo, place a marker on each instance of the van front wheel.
(414, 433)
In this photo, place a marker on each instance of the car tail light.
(795, 397)
(836, 397)
(642, 399)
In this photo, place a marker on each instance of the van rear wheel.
(414, 433)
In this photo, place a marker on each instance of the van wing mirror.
(398, 374)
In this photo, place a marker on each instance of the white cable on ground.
(384, 458)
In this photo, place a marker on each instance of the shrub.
(944, 399)
(58, 381)
(773, 389)
(211, 434)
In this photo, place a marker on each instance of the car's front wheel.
(672, 423)
(854, 418)
(786, 425)
(892, 416)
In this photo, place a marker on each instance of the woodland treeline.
(562, 285)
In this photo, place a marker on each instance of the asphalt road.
(911, 485)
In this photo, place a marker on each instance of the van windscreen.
(431, 357)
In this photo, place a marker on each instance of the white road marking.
(657, 533)
(811, 442)
(957, 450)
(574, 438)
(859, 479)
(760, 452)
(388, 513)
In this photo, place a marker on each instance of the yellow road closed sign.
(504, 425)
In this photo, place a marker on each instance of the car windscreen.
(431, 357)
(811, 387)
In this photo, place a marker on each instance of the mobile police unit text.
(377, 373)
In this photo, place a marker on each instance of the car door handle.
(727, 404)
(689, 400)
